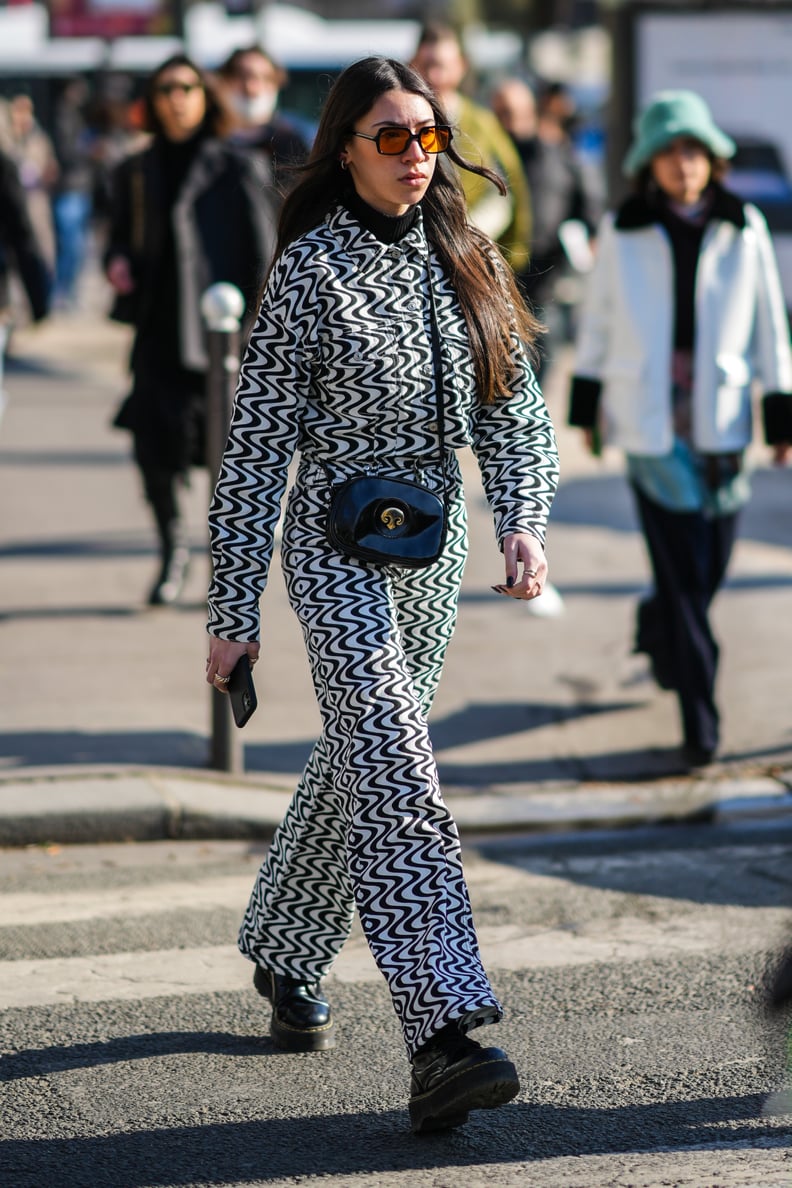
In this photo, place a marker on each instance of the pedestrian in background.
(73, 194)
(440, 59)
(188, 211)
(391, 334)
(33, 153)
(683, 315)
(252, 82)
(559, 193)
(20, 253)
(117, 135)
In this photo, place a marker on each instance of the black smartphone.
(242, 691)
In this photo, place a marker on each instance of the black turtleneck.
(385, 228)
(686, 236)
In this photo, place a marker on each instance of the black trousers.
(689, 553)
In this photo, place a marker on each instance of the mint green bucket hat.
(668, 115)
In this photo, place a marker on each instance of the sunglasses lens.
(434, 140)
(170, 88)
(393, 140)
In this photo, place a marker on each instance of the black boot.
(160, 487)
(175, 562)
(452, 1075)
(301, 1017)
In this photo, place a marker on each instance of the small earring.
(342, 162)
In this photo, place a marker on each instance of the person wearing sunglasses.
(385, 313)
(186, 212)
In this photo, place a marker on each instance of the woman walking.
(390, 334)
(187, 211)
(684, 313)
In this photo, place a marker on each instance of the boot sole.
(301, 1039)
(294, 1039)
(482, 1087)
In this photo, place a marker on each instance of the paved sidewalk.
(540, 722)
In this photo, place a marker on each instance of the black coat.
(19, 251)
(217, 225)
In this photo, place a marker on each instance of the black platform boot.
(301, 1017)
(452, 1074)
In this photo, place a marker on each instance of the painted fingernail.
(509, 581)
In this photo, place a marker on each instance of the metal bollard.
(222, 306)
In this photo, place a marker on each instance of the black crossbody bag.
(394, 521)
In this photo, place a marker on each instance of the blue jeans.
(72, 212)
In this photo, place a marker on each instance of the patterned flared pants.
(367, 826)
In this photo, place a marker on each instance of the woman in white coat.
(683, 317)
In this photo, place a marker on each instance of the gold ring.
(223, 680)
(529, 573)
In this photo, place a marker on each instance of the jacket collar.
(365, 248)
(640, 211)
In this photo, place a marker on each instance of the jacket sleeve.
(592, 337)
(772, 353)
(515, 447)
(273, 386)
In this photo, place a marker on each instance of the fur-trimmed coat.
(622, 379)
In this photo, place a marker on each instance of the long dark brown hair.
(490, 301)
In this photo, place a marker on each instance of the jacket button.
(432, 426)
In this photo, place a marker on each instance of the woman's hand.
(526, 566)
(223, 655)
(119, 274)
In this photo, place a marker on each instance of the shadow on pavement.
(36, 1062)
(356, 1144)
(81, 546)
(34, 365)
(70, 458)
(183, 748)
(50, 748)
(607, 502)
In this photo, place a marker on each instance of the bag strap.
(437, 365)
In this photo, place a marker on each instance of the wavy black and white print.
(339, 368)
(367, 825)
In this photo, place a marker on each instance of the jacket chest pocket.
(359, 368)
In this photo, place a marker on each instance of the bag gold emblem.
(392, 517)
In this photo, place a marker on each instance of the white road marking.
(606, 937)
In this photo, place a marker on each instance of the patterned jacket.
(339, 367)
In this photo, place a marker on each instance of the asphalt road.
(136, 1053)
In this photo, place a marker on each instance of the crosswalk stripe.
(32, 908)
(210, 968)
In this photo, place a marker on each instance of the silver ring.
(529, 573)
(223, 680)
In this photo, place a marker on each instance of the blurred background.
(608, 55)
